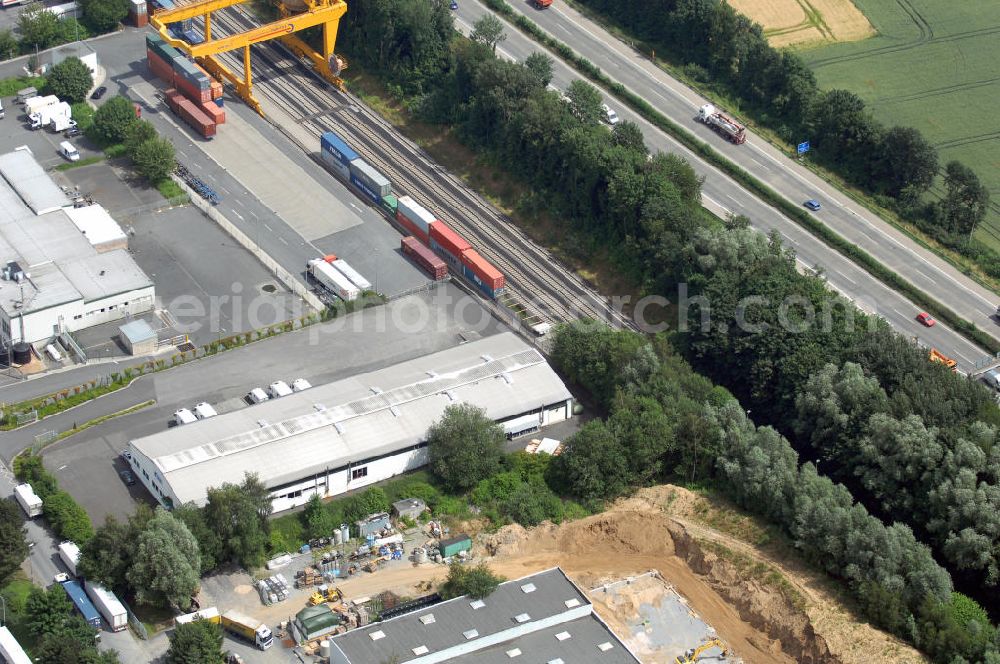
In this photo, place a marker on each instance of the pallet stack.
(193, 95)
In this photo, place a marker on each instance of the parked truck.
(247, 628)
(724, 125)
(61, 122)
(352, 275)
(33, 105)
(82, 603)
(210, 614)
(47, 115)
(28, 500)
(331, 279)
(69, 553)
(109, 606)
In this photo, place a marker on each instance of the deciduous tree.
(166, 563)
(13, 544)
(70, 80)
(465, 446)
(114, 120)
(198, 642)
(104, 15)
(154, 159)
(488, 31)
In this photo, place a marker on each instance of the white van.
(184, 416)
(67, 150)
(279, 388)
(203, 411)
(257, 395)
(300, 384)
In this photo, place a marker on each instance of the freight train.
(412, 217)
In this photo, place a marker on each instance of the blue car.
(813, 204)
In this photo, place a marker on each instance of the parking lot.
(87, 466)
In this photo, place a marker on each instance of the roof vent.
(557, 660)
(571, 603)
(470, 634)
(428, 619)
(604, 647)
(375, 636)
(513, 652)
(451, 395)
(507, 378)
(319, 407)
(522, 618)
(486, 358)
(421, 650)
(339, 427)
(376, 390)
(262, 423)
(477, 604)
(528, 588)
(394, 411)
(432, 374)
(562, 636)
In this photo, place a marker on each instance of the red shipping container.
(412, 228)
(482, 268)
(160, 68)
(216, 89)
(173, 99)
(212, 110)
(448, 239)
(424, 257)
(192, 92)
(201, 122)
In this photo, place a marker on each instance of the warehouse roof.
(533, 615)
(332, 425)
(94, 222)
(30, 181)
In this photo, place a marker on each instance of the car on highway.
(609, 115)
(127, 477)
(925, 319)
(99, 92)
(813, 204)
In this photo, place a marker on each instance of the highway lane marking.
(254, 215)
(734, 200)
(239, 215)
(224, 190)
(844, 276)
(268, 228)
(759, 164)
(240, 202)
(282, 240)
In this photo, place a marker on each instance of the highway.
(722, 195)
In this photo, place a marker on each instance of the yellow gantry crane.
(296, 15)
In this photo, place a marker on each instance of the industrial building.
(353, 432)
(62, 269)
(543, 619)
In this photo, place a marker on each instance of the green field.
(933, 66)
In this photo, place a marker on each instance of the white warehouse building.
(60, 269)
(353, 432)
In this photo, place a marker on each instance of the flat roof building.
(353, 432)
(543, 619)
(52, 278)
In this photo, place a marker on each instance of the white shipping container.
(333, 280)
(416, 213)
(11, 650)
(69, 553)
(352, 275)
(29, 501)
(35, 104)
(109, 606)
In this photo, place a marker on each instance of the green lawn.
(932, 66)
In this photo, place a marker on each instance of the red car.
(926, 319)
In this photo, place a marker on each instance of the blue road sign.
(803, 147)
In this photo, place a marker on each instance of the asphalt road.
(723, 195)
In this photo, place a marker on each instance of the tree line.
(724, 49)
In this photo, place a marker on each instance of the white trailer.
(11, 650)
(60, 123)
(47, 114)
(331, 279)
(29, 501)
(69, 553)
(352, 275)
(109, 606)
(34, 104)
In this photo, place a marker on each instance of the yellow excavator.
(692, 655)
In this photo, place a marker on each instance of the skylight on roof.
(528, 588)
(562, 636)
(421, 650)
(376, 635)
(557, 660)
(513, 652)
(570, 603)
(604, 647)
(428, 619)
(522, 618)
(477, 604)
(470, 634)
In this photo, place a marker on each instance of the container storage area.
(421, 219)
(424, 257)
(372, 183)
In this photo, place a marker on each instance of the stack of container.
(424, 257)
(415, 218)
(448, 244)
(479, 271)
(369, 181)
(336, 154)
(189, 80)
(138, 13)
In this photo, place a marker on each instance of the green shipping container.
(389, 204)
(451, 547)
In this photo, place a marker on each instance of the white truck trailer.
(352, 275)
(248, 628)
(46, 115)
(332, 280)
(723, 125)
(109, 606)
(33, 105)
(11, 650)
(28, 500)
(69, 553)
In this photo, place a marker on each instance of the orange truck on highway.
(542, 4)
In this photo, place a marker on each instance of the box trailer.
(28, 500)
(453, 546)
(69, 553)
(82, 603)
(108, 605)
(331, 279)
(352, 275)
(11, 650)
(209, 614)
(247, 628)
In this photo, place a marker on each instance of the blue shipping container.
(365, 189)
(338, 168)
(337, 148)
(471, 276)
(82, 603)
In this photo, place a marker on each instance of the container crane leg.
(243, 87)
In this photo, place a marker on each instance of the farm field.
(932, 66)
(806, 22)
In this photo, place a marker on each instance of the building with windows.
(542, 619)
(52, 277)
(348, 434)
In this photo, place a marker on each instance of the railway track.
(536, 283)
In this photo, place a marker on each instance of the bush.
(114, 119)
(476, 582)
(70, 80)
(154, 159)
